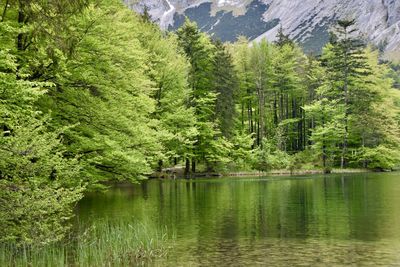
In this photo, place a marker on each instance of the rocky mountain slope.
(306, 21)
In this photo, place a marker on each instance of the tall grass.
(120, 244)
(105, 243)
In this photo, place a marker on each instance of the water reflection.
(336, 219)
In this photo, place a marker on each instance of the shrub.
(268, 157)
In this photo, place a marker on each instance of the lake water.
(351, 219)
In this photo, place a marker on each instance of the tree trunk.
(346, 103)
(258, 128)
(365, 162)
(261, 112)
(281, 107)
(324, 152)
(343, 162)
(250, 115)
(160, 166)
(193, 166)
(187, 169)
(4, 11)
(242, 115)
(275, 110)
(20, 37)
(324, 156)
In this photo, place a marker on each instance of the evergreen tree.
(283, 39)
(346, 64)
(378, 144)
(225, 84)
(146, 17)
(314, 77)
(352, 90)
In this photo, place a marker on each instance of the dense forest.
(91, 92)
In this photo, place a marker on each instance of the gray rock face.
(306, 21)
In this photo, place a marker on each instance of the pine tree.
(146, 17)
(225, 84)
(378, 144)
(346, 64)
(283, 39)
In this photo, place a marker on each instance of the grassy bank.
(102, 244)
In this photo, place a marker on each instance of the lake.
(350, 219)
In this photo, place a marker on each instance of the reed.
(105, 243)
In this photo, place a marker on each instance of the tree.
(346, 63)
(283, 39)
(39, 184)
(347, 114)
(246, 95)
(146, 17)
(107, 95)
(289, 95)
(261, 64)
(168, 69)
(328, 129)
(378, 108)
(225, 84)
(209, 145)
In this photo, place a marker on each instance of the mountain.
(306, 21)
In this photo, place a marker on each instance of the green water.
(302, 221)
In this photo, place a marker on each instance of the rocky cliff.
(306, 21)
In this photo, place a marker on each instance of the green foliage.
(268, 157)
(241, 156)
(104, 243)
(168, 69)
(115, 79)
(381, 157)
(347, 113)
(395, 74)
(91, 92)
(38, 184)
(107, 95)
(226, 86)
(199, 51)
(35, 214)
(208, 92)
(321, 105)
(329, 129)
(122, 243)
(305, 160)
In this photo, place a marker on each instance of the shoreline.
(177, 173)
(294, 173)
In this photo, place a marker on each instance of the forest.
(92, 93)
